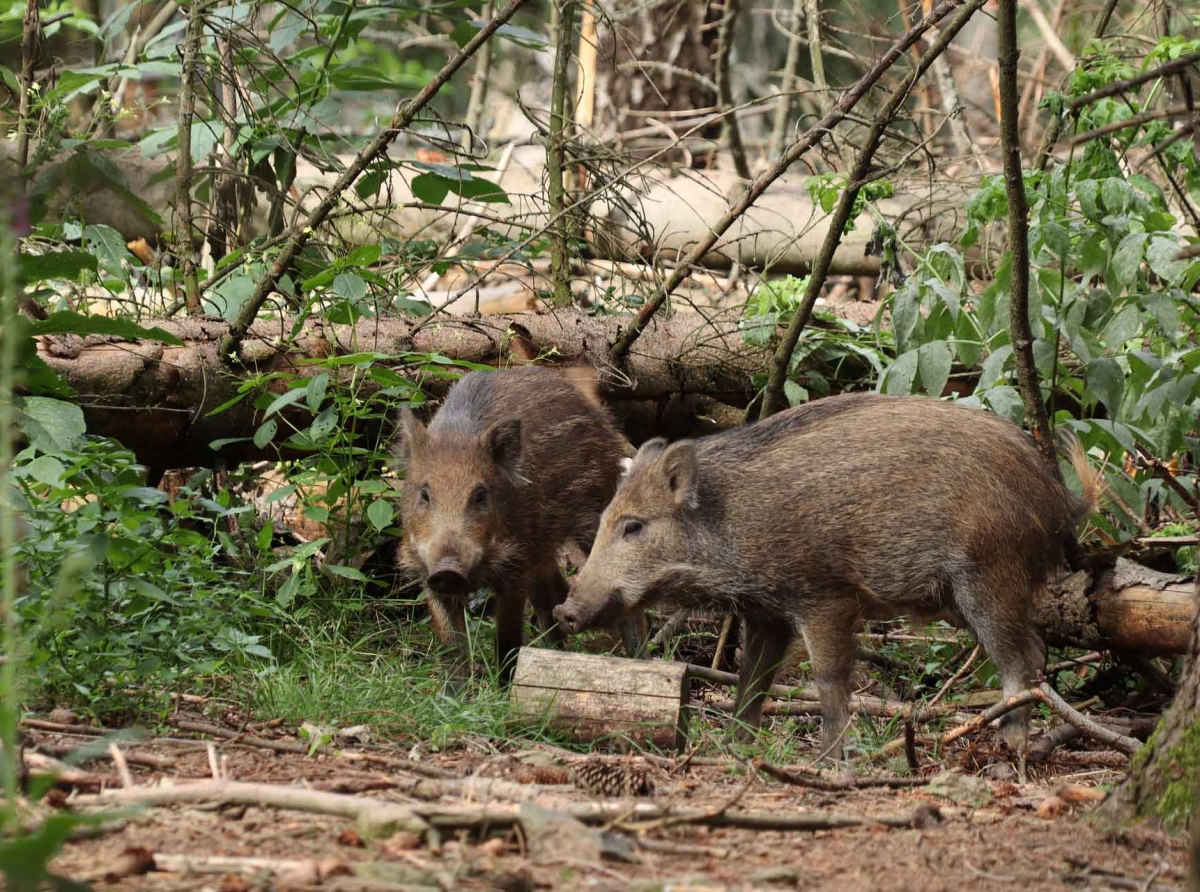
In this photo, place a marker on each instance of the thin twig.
(814, 781)
(560, 236)
(791, 72)
(1168, 68)
(185, 246)
(472, 120)
(123, 771)
(725, 38)
(1049, 696)
(404, 115)
(1020, 331)
(1134, 121)
(726, 627)
(31, 42)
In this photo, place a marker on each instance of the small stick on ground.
(123, 771)
(721, 639)
(814, 781)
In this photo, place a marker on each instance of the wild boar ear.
(649, 450)
(410, 436)
(679, 469)
(503, 443)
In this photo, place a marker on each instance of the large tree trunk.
(1161, 786)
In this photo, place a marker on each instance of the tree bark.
(1161, 785)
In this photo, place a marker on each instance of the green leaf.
(284, 400)
(1106, 381)
(1006, 402)
(934, 361)
(1057, 238)
(1127, 259)
(1123, 327)
(347, 572)
(900, 374)
(265, 434)
(1166, 313)
(349, 286)
(108, 245)
(262, 540)
(324, 424)
(1093, 256)
(1117, 195)
(796, 395)
(364, 256)
(757, 331)
(67, 322)
(993, 367)
(315, 391)
(33, 268)
(279, 494)
(1161, 257)
(46, 469)
(53, 427)
(380, 514)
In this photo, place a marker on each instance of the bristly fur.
(851, 507)
(545, 454)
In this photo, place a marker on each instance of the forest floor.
(960, 829)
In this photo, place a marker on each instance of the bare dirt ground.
(978, 834)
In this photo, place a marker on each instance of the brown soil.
(1001, 845)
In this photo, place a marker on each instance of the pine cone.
(609, 778)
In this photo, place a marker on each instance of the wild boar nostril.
(448, 578)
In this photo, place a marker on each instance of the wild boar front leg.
(762, 652)
(510, 623)
(450, 627)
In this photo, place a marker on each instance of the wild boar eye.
(632, 528)
(479, 498)
(424, 497)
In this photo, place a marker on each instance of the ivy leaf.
(934, 361)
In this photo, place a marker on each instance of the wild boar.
(516, 464)
(851, 507)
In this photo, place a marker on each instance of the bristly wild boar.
(851, 507)
(515, 464)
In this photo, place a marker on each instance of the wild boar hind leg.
(829, 637)
(766, 643)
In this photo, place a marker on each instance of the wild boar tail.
(1091, 479)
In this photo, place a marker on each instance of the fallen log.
(689, 376)
(1124, 607)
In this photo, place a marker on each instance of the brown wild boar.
(516, 464)
(850, 507)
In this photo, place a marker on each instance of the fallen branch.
(987, 716)
(1063, 709)
(814, 781)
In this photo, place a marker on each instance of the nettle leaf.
(1165, 310)
(900, 374)
(67, 322)
(1106, 381)
(906, 313)
(380, 514)
(1160, 254)
(1093, 255)
(108, 245)
(1127, 259)
(1117, 195)
(934, 361)
(1123, 327)
(53, 426)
